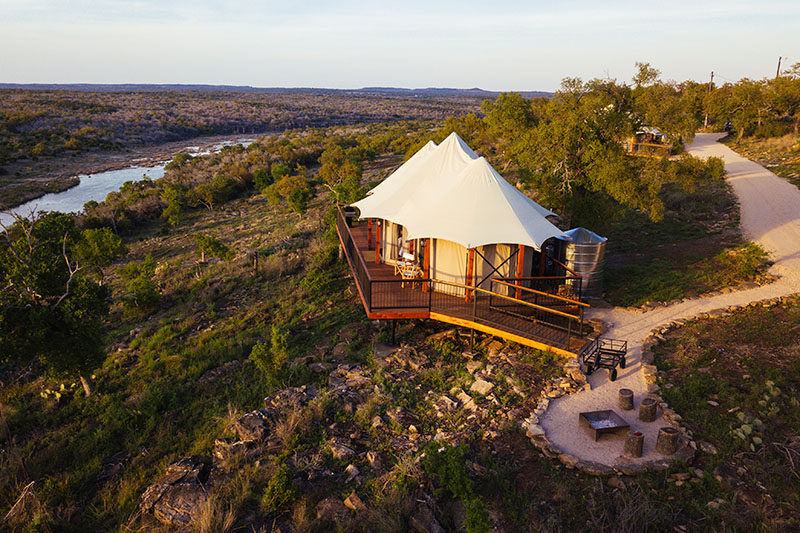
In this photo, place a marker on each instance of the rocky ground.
(384, 413)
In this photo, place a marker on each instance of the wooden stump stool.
(647, 410)
(634, 444)
(625, 399)
(667, 442)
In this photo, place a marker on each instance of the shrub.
(279, 492)
(270, 358)
(446, 468)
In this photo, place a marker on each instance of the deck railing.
(496, 307)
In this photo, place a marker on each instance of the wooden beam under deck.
(500, 333)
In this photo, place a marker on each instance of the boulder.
(178, 497)
(290, 397)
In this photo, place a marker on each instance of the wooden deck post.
(377, 241)
(426, 263)
(470, 268)
(369, 234)
(520, 269)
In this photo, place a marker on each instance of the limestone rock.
(445, 405)
(466, 401)
(707, 447)
(569, 460)
(290, 397)
(252, 426)
(341, 351)
(354, 502)
(340, 450)
(534, 430)
(594, 469)
(352, 471)
(178, 497)
(630, 469)
(481, 387)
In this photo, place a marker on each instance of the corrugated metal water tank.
(585, 254)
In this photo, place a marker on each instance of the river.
(97, 186)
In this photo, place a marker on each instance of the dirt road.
(770, 216)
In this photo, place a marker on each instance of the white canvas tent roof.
(448, 192)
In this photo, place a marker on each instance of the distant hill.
(146, 87)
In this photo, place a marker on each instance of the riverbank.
(27, 180)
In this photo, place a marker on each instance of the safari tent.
(450, 211)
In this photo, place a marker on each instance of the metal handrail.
(503, 281)
(498, 295)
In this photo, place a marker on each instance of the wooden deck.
(385, 296)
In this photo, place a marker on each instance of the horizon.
(515, 47)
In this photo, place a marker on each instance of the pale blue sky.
(500, 45)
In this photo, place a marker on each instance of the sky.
(495, 45)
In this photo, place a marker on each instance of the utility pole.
(778, 72)
(710, 85)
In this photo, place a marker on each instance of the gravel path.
(770, 215)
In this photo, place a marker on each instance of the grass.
(695, 249)
(742, 370)
(780, 155)
(664, 280)
(149, 405)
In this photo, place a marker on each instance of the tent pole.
(520, 268)
(470, 267)
(426, 263)
(369, 234)
(377, 241)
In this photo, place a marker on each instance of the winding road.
(770, 216)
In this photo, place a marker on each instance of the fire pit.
(600, 422)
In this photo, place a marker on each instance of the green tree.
(178, 162)
(49, 309)
(340, 173)
(208, 245)
(261, 179)
(98, 248)
(214, 192)
(746, 103)
(299, 199)
(142, 289)
(279, 170)
(508, 120)
(174, 195)
(294, 189)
